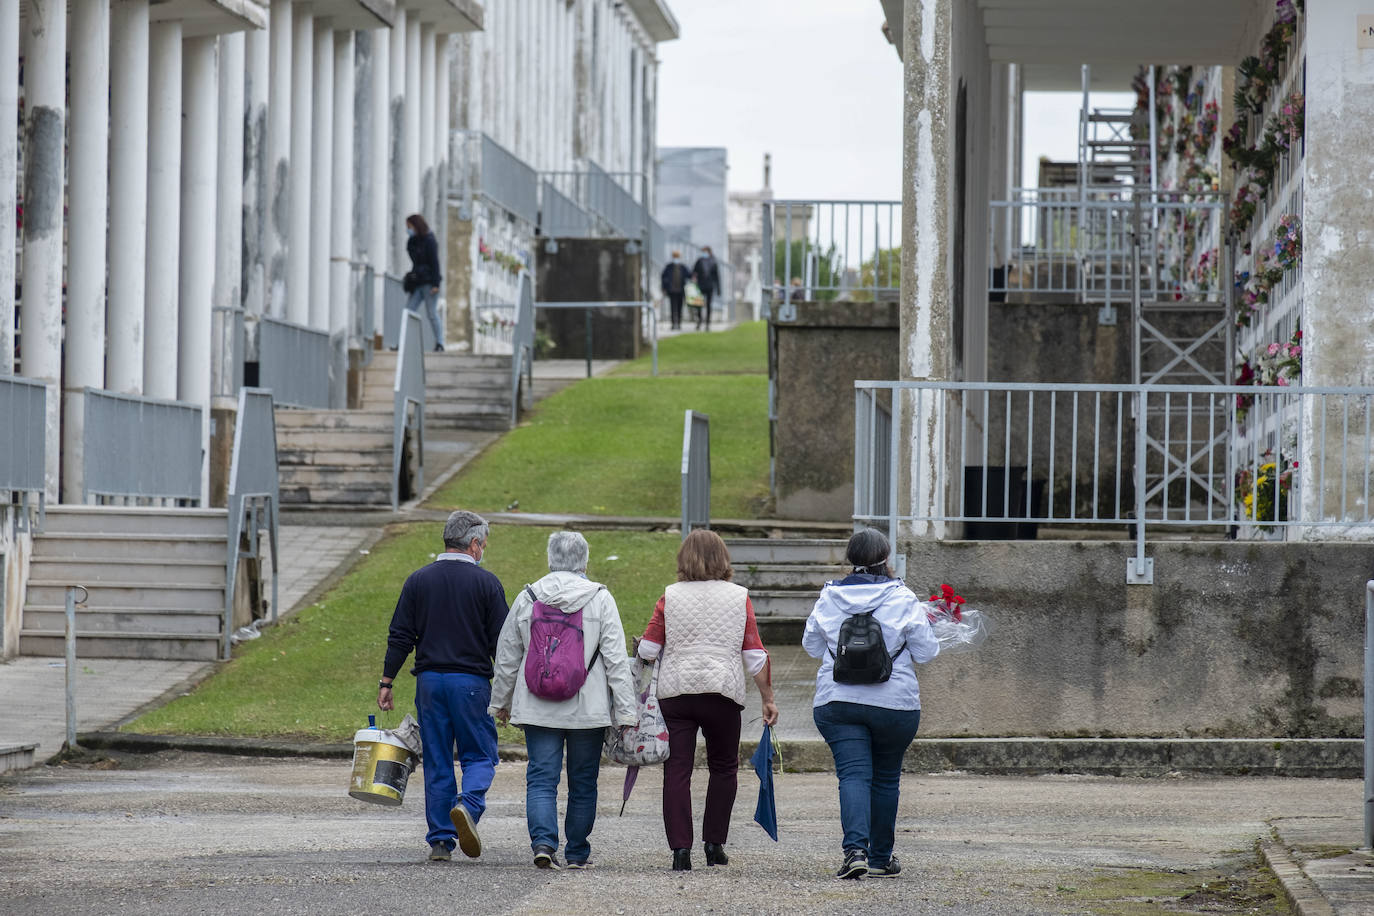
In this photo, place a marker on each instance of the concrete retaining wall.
(1234, 639)
(590, 270)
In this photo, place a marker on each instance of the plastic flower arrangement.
(1263, 492)
(1206, 128)
(1288, 122)
(957, 628)
(1288, 242)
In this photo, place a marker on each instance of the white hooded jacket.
(906, 631)
(606, 698)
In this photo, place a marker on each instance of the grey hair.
(464, 527)
(868, 550)
(568, 552)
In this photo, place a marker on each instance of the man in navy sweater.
(450, 613)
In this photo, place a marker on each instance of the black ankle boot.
(715, 854)
(682, 860)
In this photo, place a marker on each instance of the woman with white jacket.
(869, 725)
(578, 723)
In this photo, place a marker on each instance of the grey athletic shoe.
(892, 869)
(468, 840)
(855, 864)
(439, 852)
(546, 858)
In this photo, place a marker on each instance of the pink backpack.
(553, 663)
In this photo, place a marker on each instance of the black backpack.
(862, 656)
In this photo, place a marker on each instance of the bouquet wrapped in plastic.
(957, 628)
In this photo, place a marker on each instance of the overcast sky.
(815, 83)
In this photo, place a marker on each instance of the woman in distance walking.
(422, 282)
(868, 629)
(704, 626)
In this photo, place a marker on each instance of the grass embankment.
(607, 446)
(314, 676)
(613, 446)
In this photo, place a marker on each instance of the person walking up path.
(422, 282)
(674, 286)
(563, 609)
(867, 629)
(706, 273)
(450, 614)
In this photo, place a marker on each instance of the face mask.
(410, 231)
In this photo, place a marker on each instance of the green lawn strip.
(613, 446)
(314, 676)
(740, 350)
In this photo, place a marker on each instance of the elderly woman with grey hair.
(563, 609)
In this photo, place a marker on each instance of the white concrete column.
(84, 362)
(443, 128)
(380, 221)
(276, 240)
(428, 95)
(321, 174)
(410, 139)
(199, 178)
(926, 333)
(395, 155)
(9, 175)
(164, 211)
(129, 57)
(1337, 262)
(229, 199)
(256, 206)
(341, 203)
(301, 161)
(45, 71)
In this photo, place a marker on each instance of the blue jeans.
(545, 748)
(868, 743)
(452, 709)
(430, 298)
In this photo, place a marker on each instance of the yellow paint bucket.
(381, 767)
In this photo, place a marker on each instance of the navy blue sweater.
(450, 613)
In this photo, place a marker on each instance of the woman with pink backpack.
(562, 675)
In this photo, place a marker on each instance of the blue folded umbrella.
(766, 813)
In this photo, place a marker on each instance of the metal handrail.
(139, 448)
(646, 307)
(836, 249)
(23, 448)
(1137, 455)
(522, 345)
(254, 499)
(408, 390)
(696, 471)
(293, 361)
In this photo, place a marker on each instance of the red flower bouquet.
(957, 628)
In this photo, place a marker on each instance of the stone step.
(372, 419)
(336, 475)
(171, 646)
(378, 395)
(305, 457)
(350, 439)
(386, 359)
(495, 422)
(746, 551)
(124, 621)
(324, 495)
(785, 576)
(445, 378)
(98, 570)
(135, 520)
(783, 602)
(203, 547)
(438, 410)
(16, 756)
(141, 595)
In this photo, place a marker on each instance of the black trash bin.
(997, 482)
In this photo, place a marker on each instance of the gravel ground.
(182, 833)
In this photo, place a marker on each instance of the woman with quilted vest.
(704, 627)
(868, 714)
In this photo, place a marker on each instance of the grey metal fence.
(696, 471)
(141, 450)
(408, 393)
(394, 299)
(479, 166)
(830, 249)
(561, 216)
(613, 203)
(1256, 460)
(226, 351)
(253, 500)
(23, 416)
(293, 361)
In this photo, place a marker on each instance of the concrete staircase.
(462, 391)
(784, 577)
(335, 457)
(155, 578)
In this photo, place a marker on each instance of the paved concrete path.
(200, 834)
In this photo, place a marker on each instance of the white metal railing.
(408, 403)
(1139, 455)
(293, 361)
(23, 415)
(253, 499)
(140, 451)
(831, 249)
(696, 471)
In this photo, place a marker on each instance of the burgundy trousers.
(719, 720)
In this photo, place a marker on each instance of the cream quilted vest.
(704, 623)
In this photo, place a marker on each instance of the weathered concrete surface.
(820, 354)
(458, 275)
(204, 835)
(1233, 639)
(15, 549)
(590, 270)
